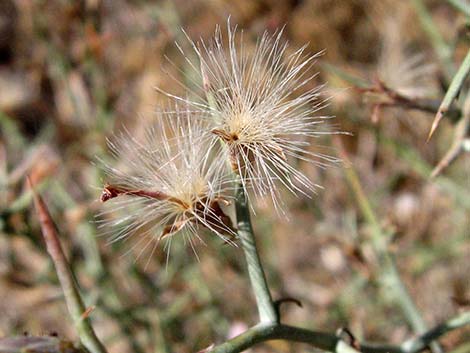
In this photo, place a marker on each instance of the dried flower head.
(262, 106)
(166, 183)
(410, 74)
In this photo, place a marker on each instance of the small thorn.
(435, 123)
(346, 335)
(207, 349)
(436, 171)
(87, 312)
(288, 300)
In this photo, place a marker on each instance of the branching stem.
(331, 342)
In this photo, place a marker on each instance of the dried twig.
(387, 271)
(385, 96)
(74, 301)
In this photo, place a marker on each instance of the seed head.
(262, 105)
(410, 74)
(166, 183)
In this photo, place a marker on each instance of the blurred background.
(72, 72)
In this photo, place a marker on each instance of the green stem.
(453, 91)
(331, 342)
(262, 333)
(387, 272)
(421, 342)
(266, 310)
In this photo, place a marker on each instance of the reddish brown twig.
(211, 212)
(384, 96)
(74, 301)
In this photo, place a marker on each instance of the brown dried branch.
(384, 96)
(74, 301)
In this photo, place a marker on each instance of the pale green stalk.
(266, 309)
(387, 271)
(333, 343)
(452, 92)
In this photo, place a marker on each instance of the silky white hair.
(262, 105)
(167, 181)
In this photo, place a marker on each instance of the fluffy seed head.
(262, 106)
(165, 183)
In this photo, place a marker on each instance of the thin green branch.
(262, 333)
(74, 301)
(452, 92)
(330, 342)
(266, 310)
(387, 270)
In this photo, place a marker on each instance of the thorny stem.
(461, 130)
(333, 342)
(270, 327)
(387, 97)
(264, 302)
(452, 92)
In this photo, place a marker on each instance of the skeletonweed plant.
(167, 183)
(253, 113)
(261, 103)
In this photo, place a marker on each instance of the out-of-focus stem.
(452, 92)
(72, 296)
(266, 310)
(422, 341)
(387, 271)
(461, 130)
